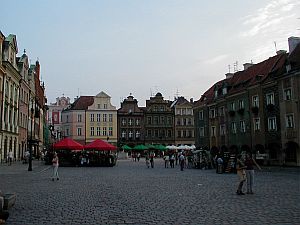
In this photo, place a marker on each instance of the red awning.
(100, 145)
(67, 144)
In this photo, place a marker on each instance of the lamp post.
(30, 141)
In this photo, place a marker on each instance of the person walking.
(147, 161)
(181, 161)
(172, 161)
(10, 157)
(166, 158)
(249, 163)
(55, 167)
(240, 170)
(152, 160)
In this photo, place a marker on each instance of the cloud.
(216, 59)
(275, 13)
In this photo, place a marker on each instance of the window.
(179, 133)
(241, 104)
(162, 120)
(170, 120)
(149, 120)
(189, 111)
(149, 133)
(99, 106)
(156, 133)
(169, 133)
(287, 94)
(232, 106)
(92, 131)
(155, 120)
(201, 115)
(270, 98)
(183, 112)
(155, 108)
(190, 133)
(67, 132)
(105, 106)
(110, 117)
(178, 121)
(123, 122)
(130, 134)
(67, 119)
(212, 113)
(233, 127)
(98, 117)
(213, 131)
(255, 101)
(137, 122)
(272, 123)
(222, 111)
(189, 121)
(98, 130)
(79, 131)
(178, 111)
(222, 129)
(184, 133)
(242, 126)
(130, 122)
(110, 131)
(123, 134)
(289, 120)
(184, 121)
(137, 134)
(201, 132)
(256, 124)
(162, 108)
(92, 117)
(79, 118)
(104, 131)
(104, 117)
(224, 91)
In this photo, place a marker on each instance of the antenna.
(228, 68)
(151, 93)
(235, 67)
(77, 91)
(275, 46)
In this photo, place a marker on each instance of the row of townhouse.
(22, 102)
(256, 109)
(94, 117)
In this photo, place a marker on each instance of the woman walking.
(55, 167)
(250, 162)
(240, 170)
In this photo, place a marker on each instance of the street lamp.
(30, 141)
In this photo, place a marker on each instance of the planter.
(9, 201)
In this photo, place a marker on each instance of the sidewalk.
(18, 167)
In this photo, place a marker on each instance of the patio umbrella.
(67, 144)
(140, 147)
(100, 145)
(149, 146)
(160, 147)
(126, 147)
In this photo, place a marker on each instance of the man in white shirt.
(10, 157)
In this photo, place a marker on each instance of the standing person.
(240, 170)
(138, 157)
(152, 160)
(55, 167)
(181, 161)
(166, 158)
(250, 162)
(147, 161)
(172, 161)
(10, 157)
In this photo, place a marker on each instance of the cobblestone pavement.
(130, 193)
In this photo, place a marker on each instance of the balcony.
(270, 107)
(254, 110)
(290, 134)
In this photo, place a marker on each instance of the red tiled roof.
(82, 103)
(243, 79)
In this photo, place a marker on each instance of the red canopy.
(67, 144)
(100, 145)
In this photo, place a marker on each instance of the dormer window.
(224, 90)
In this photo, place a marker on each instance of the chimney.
(229, 75)
(191, 100)
(247, 65)
(37, 69)
(280, 52)
(293, 42)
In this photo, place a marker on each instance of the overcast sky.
(176, 47)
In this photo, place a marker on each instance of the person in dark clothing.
(240, 167)
(250, 163)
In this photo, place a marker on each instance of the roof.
(243, 79)
(82, 103)
(294, 56)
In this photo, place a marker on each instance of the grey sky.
(142, 47)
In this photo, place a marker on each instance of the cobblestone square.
(130, 193)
